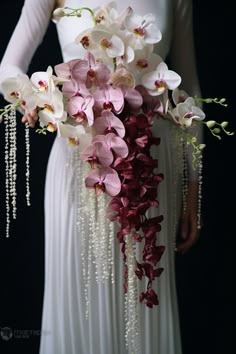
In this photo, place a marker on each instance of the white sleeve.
(183, 60)
(26, 37)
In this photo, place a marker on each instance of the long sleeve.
(183, 60)
(26, 37)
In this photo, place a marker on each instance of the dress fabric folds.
(65, 327)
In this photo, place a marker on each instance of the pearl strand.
(27, 163)
(131, 297)
(10, 166)
(200, 182)
(12, 160)
(7, 183)
(184, 175)
(177, 166)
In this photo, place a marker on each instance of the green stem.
(77, 13)
(220, 101)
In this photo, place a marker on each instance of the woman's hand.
(189, 230)
(30, 117)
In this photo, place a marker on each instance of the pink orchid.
(97, 72)
(72, 70)
(81, 109)
(104, 179)
(109, 98)
(97, 154)
(122, 77)
(132, 97)
(107, 123)
(73, 88)
(114, 143)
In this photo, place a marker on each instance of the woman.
(65, 328)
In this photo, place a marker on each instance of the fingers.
(30, 117)
(185, 246)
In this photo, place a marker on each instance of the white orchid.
(158, 81)
(43, 81)
(76, 135)
(109, 40)
(143, 29)
(86, 41)
(144, 61)
(52, 109)
(179, 96)
(185, 112)
(18, 90)
(106, 15)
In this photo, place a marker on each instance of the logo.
(6, 333)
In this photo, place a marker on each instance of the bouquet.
(105, 105)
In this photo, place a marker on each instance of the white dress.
(65, 329)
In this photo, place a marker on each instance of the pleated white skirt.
(65, 328)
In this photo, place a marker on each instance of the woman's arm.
(183, 61)
(26, 37)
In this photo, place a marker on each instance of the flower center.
(43, 85)
(160, 85)
(108, 105)
(140, 32)
(188, 115)
(142, 64)
(105, 43)
(85, 41)
(15, 94)
(99, 188)
(51, 127)
(49, 108)
(100, 19)
(80, 116)
(91, 75)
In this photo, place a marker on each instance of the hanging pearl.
(131, 297)
(200, 182)
(7, 183)
(12, 160)
(177, 170)
(95, 231)
(184, 175)
(10, 166)
(27, 163)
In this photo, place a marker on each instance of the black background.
(204, 275)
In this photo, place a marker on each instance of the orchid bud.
(216, 130)
(201, 146)
(210, 123)
(58, 14)
(224, 124)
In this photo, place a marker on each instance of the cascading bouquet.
(105, 104)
